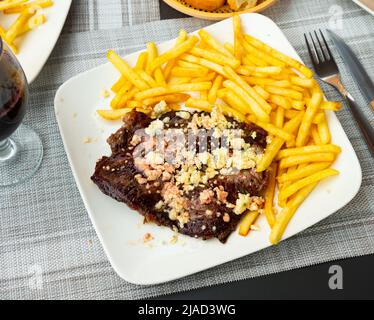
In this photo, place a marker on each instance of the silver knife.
(357, 69)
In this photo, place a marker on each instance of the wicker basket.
(220, 14)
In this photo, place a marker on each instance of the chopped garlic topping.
(242, 203)
(156, 127)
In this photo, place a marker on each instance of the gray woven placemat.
(48, 248)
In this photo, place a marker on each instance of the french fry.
(273, 130)
(189, 65)
(205, 63)
(124, 89)
(160, 79)
(283, 202)
(280, 101)
(170, 98)
(251, 60)
(303, 172)
(295, 95)
(20, 5)
(317, 177)
(310, 113)
(289, 114)
(173, 53)
(141, 63)
(303, 82)
(126, 71)
(236, 78)
(256, 81)
(7, 5)
(204, 95)
(215, 57)
(247, 222)
(298, 105)
(152, 54)
(228, 46)
(175, 88)
(124, 98)
(147, 78)
(278, 55)
(261, 91)
(233, 113)
(19, 24)
(309, 158)
(323, 130)
(308, 150)
(315, 135)
(132, 104)
(11, 45)
(269, 196)
(329, 105)
(234, 101)
(277, 143)
(191, 72)
(252, 105)
(33, 23)
(287, 214)
(199, 104)
(150, 93)
(170, 64)
(177, 80)
(279, 117)
(210, 77)
(249, 70)
(207, 38)
(113, 114)
(121, 83)
(238, 49)
(271, 61)
(193, 87)
(212, 96)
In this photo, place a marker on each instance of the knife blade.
(354, 65)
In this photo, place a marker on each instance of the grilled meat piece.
(212, 218)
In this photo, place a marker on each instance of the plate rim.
(129, 276)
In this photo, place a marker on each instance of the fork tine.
(327, 45)
(315, 48)
(314, 61)
(320, 46)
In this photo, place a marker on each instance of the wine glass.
(21, 150)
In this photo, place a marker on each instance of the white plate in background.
(36, 46)
(121, 230)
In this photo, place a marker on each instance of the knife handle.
(364, 124)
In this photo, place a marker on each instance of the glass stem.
(7, 150)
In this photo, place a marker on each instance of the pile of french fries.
(28, 18)
(251, 82)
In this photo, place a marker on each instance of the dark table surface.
(307, 283)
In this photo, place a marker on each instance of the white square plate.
(120, 229)
(36, 46)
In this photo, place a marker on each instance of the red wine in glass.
(13, 96)
(21, 150)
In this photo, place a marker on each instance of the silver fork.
(328, 71)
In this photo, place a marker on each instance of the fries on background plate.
(251, 82)
(27, 16)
